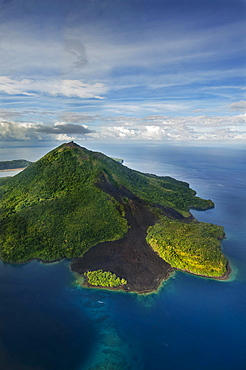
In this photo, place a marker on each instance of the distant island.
(123, 229)
(14, 165)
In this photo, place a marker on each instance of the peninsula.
(123, 229)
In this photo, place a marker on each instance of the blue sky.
(122, 70)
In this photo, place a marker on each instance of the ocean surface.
(47, 321)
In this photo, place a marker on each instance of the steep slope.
(53, 209)
(74, 199)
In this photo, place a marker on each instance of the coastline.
(38, 260)
(223, 277)
(159, 281)
(13, 169)
(121, 288)
(168, 273)
(130, 257)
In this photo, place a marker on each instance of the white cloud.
(239, 105)
(68, 88)
(155, 127)
(10, 130)
(176, 129)
(64, 137)
(12, 87)
(61, 131)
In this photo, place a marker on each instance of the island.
(121, 229)
(15, 164)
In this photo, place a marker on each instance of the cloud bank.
(161, 128)
(153, 128)
(61, 131)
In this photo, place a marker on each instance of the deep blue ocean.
(48, 322)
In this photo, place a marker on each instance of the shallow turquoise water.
(49, 322)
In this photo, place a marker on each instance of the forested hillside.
(73, 198)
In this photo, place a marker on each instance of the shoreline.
(126, 289)
(13, 169)
(130, 257)
(159, 282)
(38, 260)
(122, 288)
(223, 277)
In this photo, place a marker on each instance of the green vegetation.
(55, 208)
(193, 247)
(16, 163)
(104, 278)
(162, 190)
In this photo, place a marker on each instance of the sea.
(49, 322)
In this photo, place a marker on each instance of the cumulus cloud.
(10, 130)
(175, 129)
(68, 88)
(154, 127)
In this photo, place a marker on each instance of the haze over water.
(48, 322)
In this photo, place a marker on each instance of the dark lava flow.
(131, 257)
